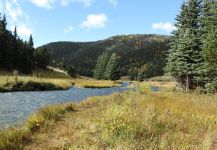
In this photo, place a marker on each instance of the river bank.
(132, 120)
(44, 80)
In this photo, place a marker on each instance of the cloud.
(86, 3)
(13, 9)
(69, 29)
(64, 2)
(168, 27)
(94, 21)
(43, 3)
(16, 17)
(113, 2)
(23, 30)
(48, 4)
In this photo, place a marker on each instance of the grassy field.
(39, 80)
(47, 80)
(131, 120)
(91, 83)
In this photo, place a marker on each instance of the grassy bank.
(38, 81)
(131, 120)
(48, 80)
(15, 138)
(91, 83)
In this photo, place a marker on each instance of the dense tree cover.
(112, 71)
(107, 67)
(133, 52)
(71, 71)
(42, 57)
(192, 56)
(16, 54)
(100, 70)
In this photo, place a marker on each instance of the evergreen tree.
(99, 72)
(71, 71)
(141, 76)
(42, 57)
(209, 28)
(31, 50)
(15, 49)
(185, 60)
(112, 69)
(16, 54)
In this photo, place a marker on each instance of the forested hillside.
(134, 52)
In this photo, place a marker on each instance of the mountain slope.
(134, 51)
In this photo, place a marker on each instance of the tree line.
(16, 54)
(133, 51)
(107, 67)
(192, 57)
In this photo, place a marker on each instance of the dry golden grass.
(15, 138)
(91, 83)
(135, 120)
(58, 80)
(130, 120)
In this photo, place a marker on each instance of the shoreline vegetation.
(139, 119)
(92, 83)
(42, 80)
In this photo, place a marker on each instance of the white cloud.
(86, 3)
(13, 9)
(113, 2)
(16, 17)
(168, 27)
(94, 21)
(48, 4)
(43, 3)
(23, 30)
(65, 2)
(69, 29)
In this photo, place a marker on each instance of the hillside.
(134, 51)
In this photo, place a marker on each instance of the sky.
(88, 20)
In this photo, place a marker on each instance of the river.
(17, 106)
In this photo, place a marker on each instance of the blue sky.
(88, 20)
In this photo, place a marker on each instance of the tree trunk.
(187, 85)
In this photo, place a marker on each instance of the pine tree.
(15, 49)
(112, 69)
(209, 28)
(99, 72)
(171, 66)
(185, 60)
(31, 51)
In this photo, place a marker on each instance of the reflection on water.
(16, 106)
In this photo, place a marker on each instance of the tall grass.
(161, 121)
(40, 80)
(91, 83)
(15, 138)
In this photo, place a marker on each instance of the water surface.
(16, 106)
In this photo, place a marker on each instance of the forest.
(136, 53)
(16, 54)
(192, 57)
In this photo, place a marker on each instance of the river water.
(16, 106)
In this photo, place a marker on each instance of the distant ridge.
(134, 51)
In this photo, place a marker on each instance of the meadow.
(132, 120)
(41, 80)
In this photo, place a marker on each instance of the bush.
(212, 87)
(71, 71)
